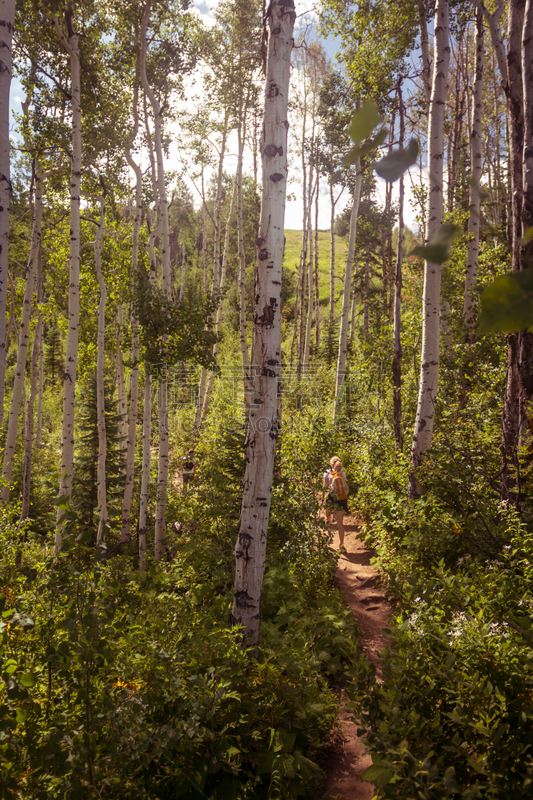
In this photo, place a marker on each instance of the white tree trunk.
(122, 399)
(222, 286)
(28, 443)
(163, 224)
(7, 22)
(100, 389)
(243, 333)
(134, 375)
(250, 548)
(343, 334)
(332, 258)
(476, 159)
(145, 469)
(429, 357)
(24, 333)
(71, 356)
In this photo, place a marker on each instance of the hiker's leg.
(339, 513)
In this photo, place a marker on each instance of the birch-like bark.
(263, 428)
(222, 286)
(28, 442)
(366, 291)
(122, 398)
(183, 264)
(243, 333)
(7, 22)
(317, 287)
(163, 224)
(397, 342)
(71, 45)
(24, 333)
(101, 492)
(343, 333)
(310, 281)
(40, 345)
(476, 159)
(145, 468)
(134, 375)
(429, 360)
(426, 55)
(332, 258)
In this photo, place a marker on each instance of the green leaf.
(437, 250)
(507, 303)
(364, 121)
(378, 775)
(362, 150)
(28, 679)
(22, 713)
(394, 164)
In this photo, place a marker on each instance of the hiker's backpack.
(188, 464)
(338, 487)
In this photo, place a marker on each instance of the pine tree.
(85, 463)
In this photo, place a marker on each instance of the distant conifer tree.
(85, 462)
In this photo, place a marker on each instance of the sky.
(293, 209)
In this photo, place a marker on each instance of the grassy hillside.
(293, 244)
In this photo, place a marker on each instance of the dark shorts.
(337, 505)
(187, 477)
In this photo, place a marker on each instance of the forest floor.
(359, 584)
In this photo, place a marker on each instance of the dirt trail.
(358, 582)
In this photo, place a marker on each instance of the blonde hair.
(335, 460)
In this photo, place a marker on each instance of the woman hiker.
(334, 480)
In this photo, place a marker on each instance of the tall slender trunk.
(183, 265)
(343, 334)
(28, 442)
(40, 331)
(310, 281)
(317, 287)
(519, 387)
(366, 292)
(7, 22)
(243, 333)
(397, 343)
(122, 399)
(24, 332)
(476, 159)
(135, 350)
(222, 286)
(163, 223)
(250, 548)
(145, 468)
(100, 386)
(429, 362)
(71, 45)
(332, 258)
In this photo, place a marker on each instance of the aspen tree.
(162, 207)
(24, 332)
(429, 359)
(243, 334)
(134, 375)
(343, 333)
(476, 159)
(7, 23)
(221, 287)
(122, 400)
(250, 548)
(71, 45)
(100, 363)
(397, 319)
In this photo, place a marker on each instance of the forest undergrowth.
(132, 685)
(452, 718)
